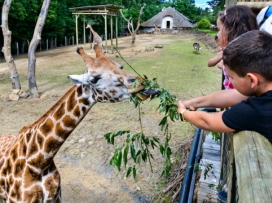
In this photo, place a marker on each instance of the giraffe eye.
(95, 79)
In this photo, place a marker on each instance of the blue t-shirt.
(253, 114)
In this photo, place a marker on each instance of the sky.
(201, 3)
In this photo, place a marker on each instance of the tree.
(131, 29)
(204, 23)
(32, 48)
(7, 47)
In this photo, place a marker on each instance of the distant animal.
(157, 30)
(96, 38)
(196, 46)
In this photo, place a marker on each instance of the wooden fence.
(250, 177)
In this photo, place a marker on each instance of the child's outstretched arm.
(215, 60)
(219, 99)
(206, 121)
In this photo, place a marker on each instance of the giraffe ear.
(79, 79)
(98, 51)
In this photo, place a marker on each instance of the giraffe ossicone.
(27, 169)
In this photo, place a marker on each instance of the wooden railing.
(250, 168)
(249, 3)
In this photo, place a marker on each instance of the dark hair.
(250, 53)
(238, 19)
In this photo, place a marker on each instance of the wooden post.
(116, 33)
(106, 38)
(253, 160)
(17, 47)
(76, 30)
(46, 44)
(84, 31)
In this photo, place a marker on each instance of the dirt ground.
(83, 160)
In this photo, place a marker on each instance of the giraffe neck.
(43, 138)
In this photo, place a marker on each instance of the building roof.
(179, 20)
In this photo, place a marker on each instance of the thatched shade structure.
(168, 18)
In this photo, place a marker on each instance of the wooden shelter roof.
(108, 9)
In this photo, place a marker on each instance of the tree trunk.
(32, 48)
(130, 24)
(7, 46)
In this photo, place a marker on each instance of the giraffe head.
(105, 78)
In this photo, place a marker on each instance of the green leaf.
(161, 149)
(128, 171)
(134, 172)
(125, 154)
(132, 152)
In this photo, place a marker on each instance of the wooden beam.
(253, 161)
(256, 4)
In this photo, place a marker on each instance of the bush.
(204, 23)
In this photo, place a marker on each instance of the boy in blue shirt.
(248, 60)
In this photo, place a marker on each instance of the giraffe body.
(27, 169)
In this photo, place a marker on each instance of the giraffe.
(27, 169)
(96, 38)
(157, 30)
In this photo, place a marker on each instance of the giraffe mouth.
(136, 89)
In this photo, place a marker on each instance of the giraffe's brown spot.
(31, 177)
(84, 109)
(84, 101)
(16, 193)
(47, 127)
(34, 195)
(116, 99)
(2, 182)
(52, 184)
(6, 168)
(18, 168)
(40, 140)
(71, 103)
(99, 91)
(10, 180)
(69, 122)
(22, 149)
(32, 148)
(14, 153)
(99, 99)
(108, 95)
(113, 92)
(60, 132)
(77, 112)
(52, 168)
(60, 112)
(52, 145)
(120, 79)
(112, 101)
(79, 91)
(40, 161)
(28, 137)
(2, 161)
(105, 98)
(93, 96)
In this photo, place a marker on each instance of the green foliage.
(203, 23)
(139, 144)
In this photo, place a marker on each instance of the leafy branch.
(137, 146)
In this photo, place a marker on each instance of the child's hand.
(180, 106)
(189, 104)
